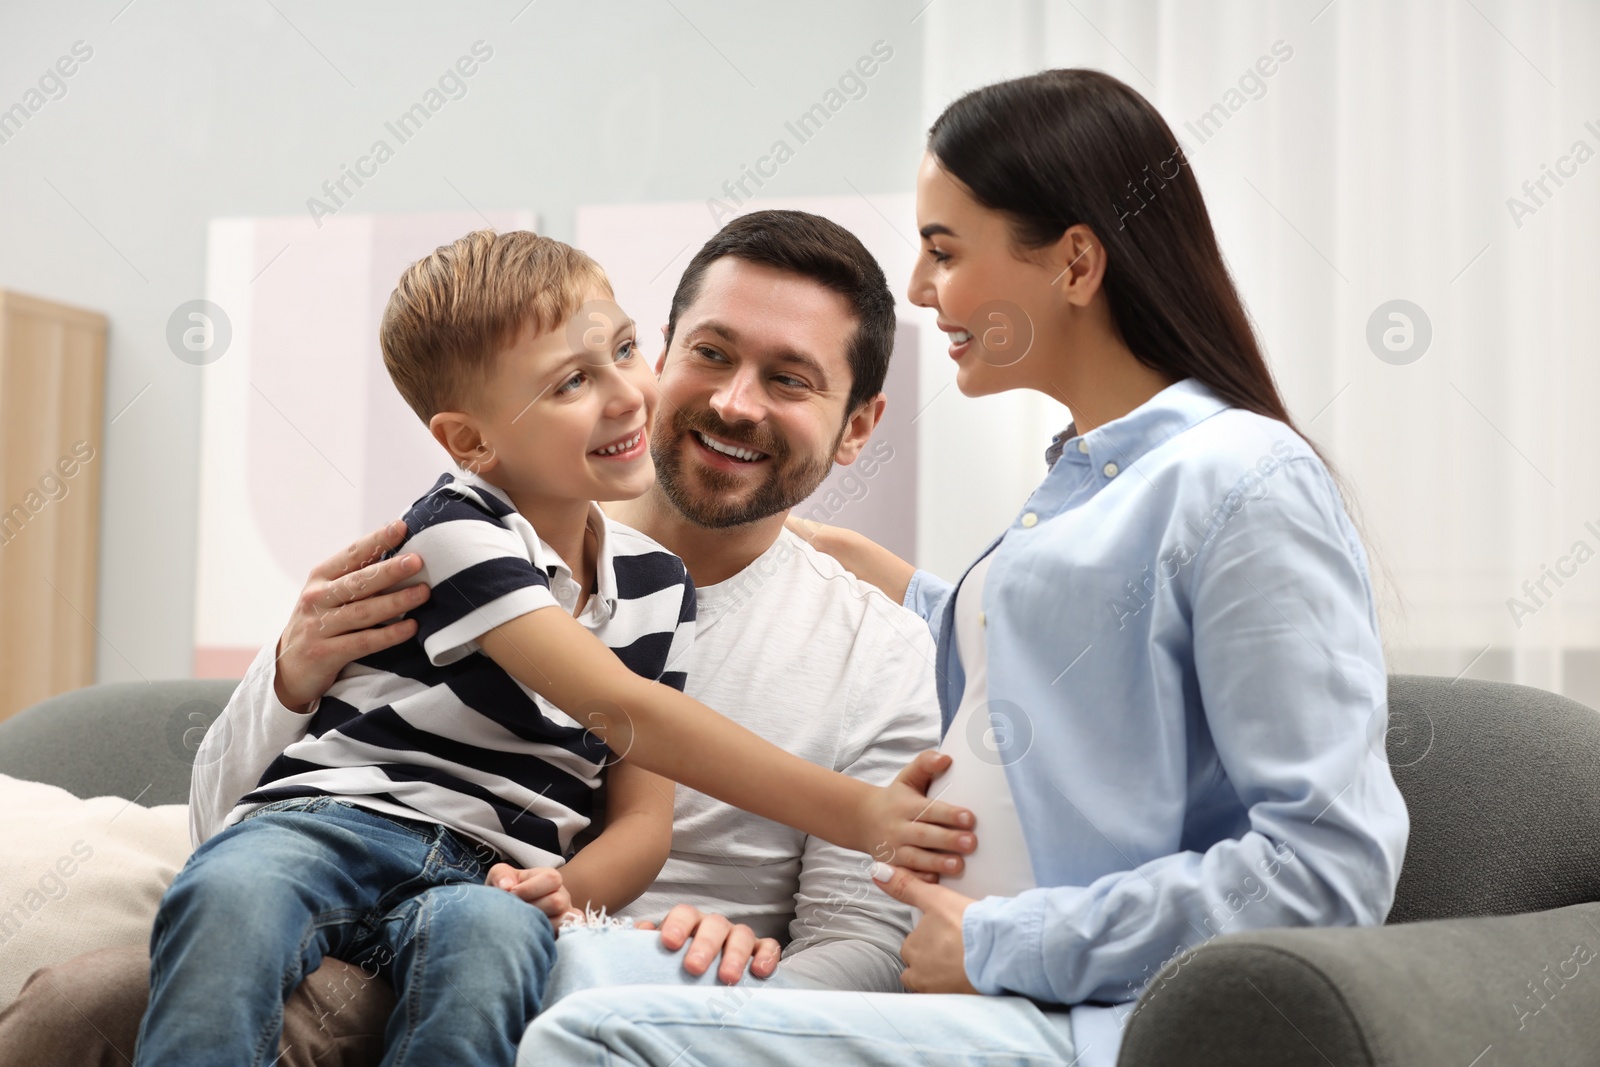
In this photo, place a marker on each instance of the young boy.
(369, 838)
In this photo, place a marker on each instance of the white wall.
(189, 111)
(1379, 162)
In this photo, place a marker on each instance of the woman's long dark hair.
(1064, 147)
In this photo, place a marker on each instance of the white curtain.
(1384, 159)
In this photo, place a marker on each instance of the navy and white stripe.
(434, 729)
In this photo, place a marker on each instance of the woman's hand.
(934, 954)
(336, 615)
(540, 886)
(906, 828)
(861, 556)
(714, 934)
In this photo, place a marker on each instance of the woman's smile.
(960, 340)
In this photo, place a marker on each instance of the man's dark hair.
(827, 253)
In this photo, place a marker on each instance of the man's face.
(753, 393)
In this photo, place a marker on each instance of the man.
(777, 346)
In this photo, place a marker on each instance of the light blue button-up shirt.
(1188, 693)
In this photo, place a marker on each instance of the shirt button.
(1110, 469)
(1083, 446)
(1030, 520)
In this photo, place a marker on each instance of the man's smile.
(726, 451)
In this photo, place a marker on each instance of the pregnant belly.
(977, 780)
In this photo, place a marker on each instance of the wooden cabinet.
(52, 385)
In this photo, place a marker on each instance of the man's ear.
(661, 360)
(858, 429)
(459, 436)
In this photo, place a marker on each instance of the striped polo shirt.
(433, 729)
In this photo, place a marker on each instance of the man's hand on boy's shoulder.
(335, 618)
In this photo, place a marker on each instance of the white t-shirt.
(793, 647)
(977, 775)
(825, 666)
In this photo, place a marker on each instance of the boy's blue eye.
(626, 350)
(570, 384)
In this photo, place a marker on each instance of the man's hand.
(540, 886)
(713, 934)
(934, 954)
(908, 829)
(336, 615)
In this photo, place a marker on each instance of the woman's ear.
(1079, 260)
(459, 436)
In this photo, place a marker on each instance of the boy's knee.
(488, 919)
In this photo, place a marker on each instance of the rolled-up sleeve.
(1290, 673)
(926, 595)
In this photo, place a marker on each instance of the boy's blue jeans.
(257, 907)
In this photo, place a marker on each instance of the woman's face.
(996, 306)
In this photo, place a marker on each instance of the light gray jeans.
(617, 997)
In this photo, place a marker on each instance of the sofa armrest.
(1445, 992)
(134, 740)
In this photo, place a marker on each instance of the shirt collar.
(548, 559)
(1124, 440)
(605, 574)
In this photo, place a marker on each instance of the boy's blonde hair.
(454, 310)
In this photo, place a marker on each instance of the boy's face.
(566, 414)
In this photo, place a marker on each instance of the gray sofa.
(1491, 955)
(1477, 965)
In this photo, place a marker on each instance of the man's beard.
(790, 479)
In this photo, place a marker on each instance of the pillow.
(79, 874)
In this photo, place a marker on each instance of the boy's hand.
(539, 886)
(911, 831)
(336, 615)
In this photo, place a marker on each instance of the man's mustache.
(745, 437)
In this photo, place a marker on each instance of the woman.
(1163, 681)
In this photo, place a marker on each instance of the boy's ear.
(458, 435)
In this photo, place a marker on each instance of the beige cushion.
(79, 874)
